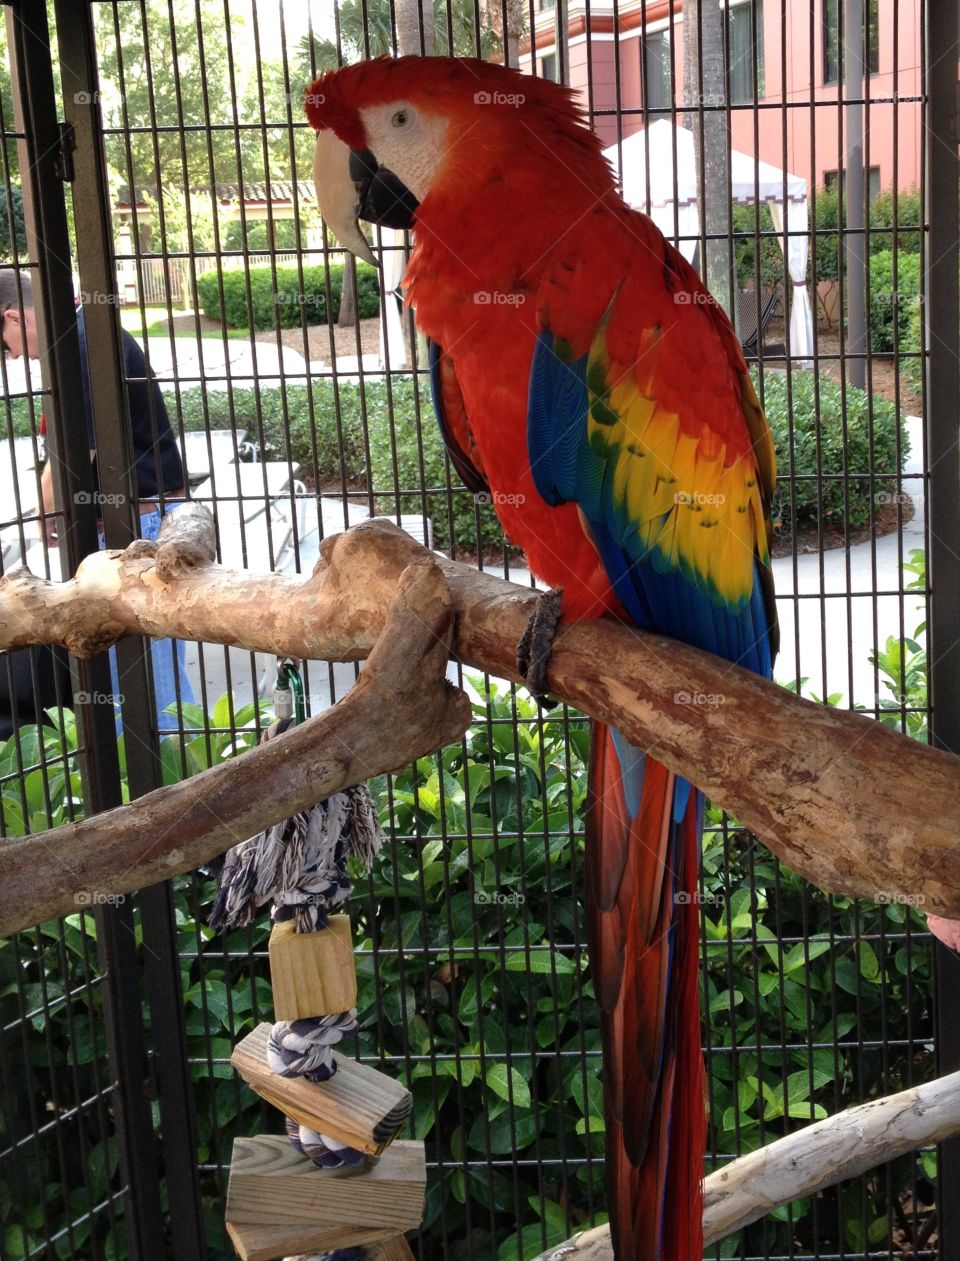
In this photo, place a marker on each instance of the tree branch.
(819, 1156)
(849, 804)
(402, 707)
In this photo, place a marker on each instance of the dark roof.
(253, 191)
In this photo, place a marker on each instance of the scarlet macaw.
(582, 373)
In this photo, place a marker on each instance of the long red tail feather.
(642, 917)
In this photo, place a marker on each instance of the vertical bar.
(48, 239)
(942, 317)
(854, 247)
(97, 270)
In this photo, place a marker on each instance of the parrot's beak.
(337, 197)
(352, 185)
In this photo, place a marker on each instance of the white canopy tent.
(673, 204)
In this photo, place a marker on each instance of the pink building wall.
(802, 130)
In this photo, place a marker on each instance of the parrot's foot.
(536, 643)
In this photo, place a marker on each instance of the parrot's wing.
(646, 418)
(453, 421)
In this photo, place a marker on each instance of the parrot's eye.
(400, 118)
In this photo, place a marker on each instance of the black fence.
(156, 177)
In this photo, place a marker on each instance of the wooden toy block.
(272, 1184)
(313, 974)
(358, 1106)
(269, 1243)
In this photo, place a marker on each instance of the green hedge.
(759, 260)
(278, 297)
(828, 241)
(891, 300)
(853, 451)
(409, 443)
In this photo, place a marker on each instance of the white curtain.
(795, 236)
(391, 325)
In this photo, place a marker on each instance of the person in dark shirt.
(159, 469)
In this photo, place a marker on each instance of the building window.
(832, 42)
(873, 181)
(746, 51)
(657, 72)
(548, 67)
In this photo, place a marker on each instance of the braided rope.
(304, 1048)
(300, 865)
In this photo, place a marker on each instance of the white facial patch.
(411, 144)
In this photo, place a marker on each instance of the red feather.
(644, 962)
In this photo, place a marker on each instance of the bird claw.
(536, 643)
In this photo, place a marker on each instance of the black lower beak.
(382, 197)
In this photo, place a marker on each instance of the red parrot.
(583, 375)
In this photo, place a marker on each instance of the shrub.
(891, 299)
(826, 239)
(277, 298)
(759, 260)
(408, 469)
(913, 342)
(299, 420)
(826, 225)
(408, 454)
(907, 206)
(844, 451)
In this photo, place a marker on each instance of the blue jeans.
(166, 657)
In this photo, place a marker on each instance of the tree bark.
(347, 315)
(176, 829)
(849, 804)
(415, 27)
(705, 96)
(819, 1156)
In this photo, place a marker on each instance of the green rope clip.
(288, 683)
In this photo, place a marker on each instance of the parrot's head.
(394, 133)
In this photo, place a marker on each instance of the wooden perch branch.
(401, 707)
(801, 1164)
(851, 805)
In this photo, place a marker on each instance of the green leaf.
(506, 1082)
(869, 963)
(541, 960)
